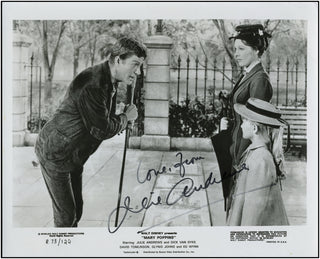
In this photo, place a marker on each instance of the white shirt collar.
(252, 65)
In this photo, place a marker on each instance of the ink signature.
(180, 165)
(188, 189)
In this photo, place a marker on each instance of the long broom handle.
(124, 158)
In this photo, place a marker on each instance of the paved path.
(32, 205)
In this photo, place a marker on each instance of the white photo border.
(302, 241)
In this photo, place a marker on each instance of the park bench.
(297, 118)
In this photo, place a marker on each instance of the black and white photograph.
(160, 129)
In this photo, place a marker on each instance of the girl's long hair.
(273, 138)
(276, 147)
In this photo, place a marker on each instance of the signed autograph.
(187, 184)
(180, 165)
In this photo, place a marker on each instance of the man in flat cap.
(84, 119)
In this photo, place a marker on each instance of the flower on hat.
(235, 34)
(260, 32)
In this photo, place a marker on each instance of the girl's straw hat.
(260, 111)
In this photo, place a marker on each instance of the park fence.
(204, 80)
(190, 80)
(35, 120)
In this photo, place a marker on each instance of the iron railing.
(289, 81)
(35, 121)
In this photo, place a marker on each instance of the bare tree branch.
(222, 33)
(212, 64)
(275, 27)
(37, 23)
(55, 52)
(45, 44)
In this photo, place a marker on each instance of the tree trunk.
(94, 46)
(235, 69)
(76, 54)
(92, 59)
(48, 88)
(268, 56)
(48, 75)
(49, 67)
(228, 46)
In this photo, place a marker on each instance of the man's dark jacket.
(84, 119)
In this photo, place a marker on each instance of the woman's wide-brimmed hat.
(260, 111)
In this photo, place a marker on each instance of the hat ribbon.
(272, 115)
(288, 138)
(263, 112)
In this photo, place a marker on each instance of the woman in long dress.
(250, 42)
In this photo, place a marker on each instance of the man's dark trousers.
(65, 189)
